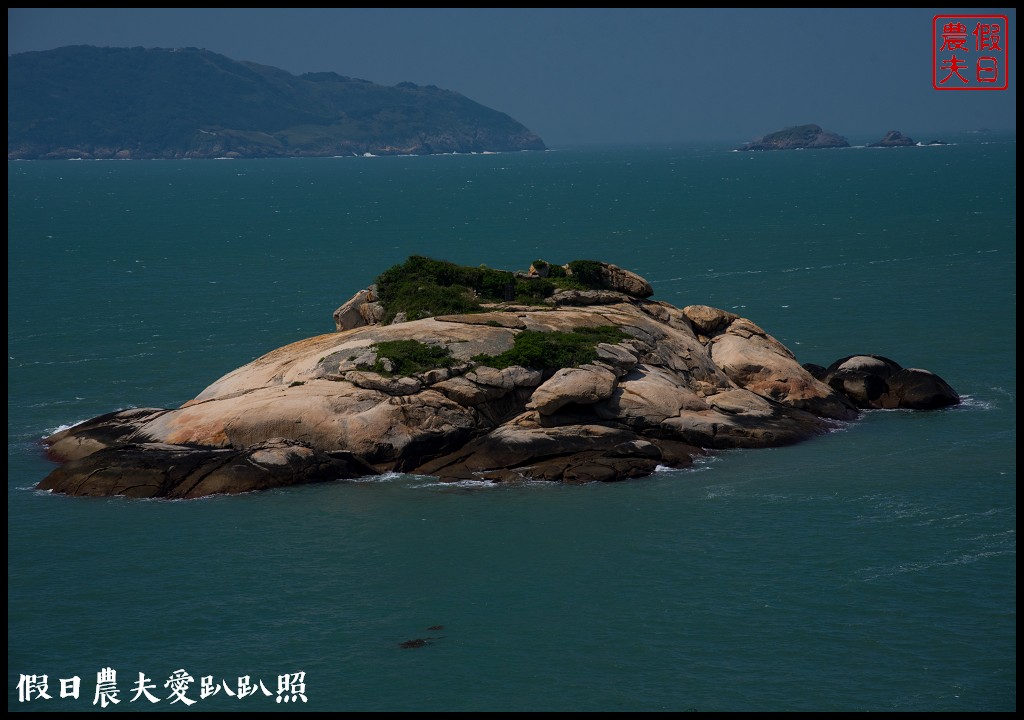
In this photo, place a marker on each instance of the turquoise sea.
(871, 569)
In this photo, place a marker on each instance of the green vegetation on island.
(532, 349)
(408, 357)
(554, 350)
(424, 287)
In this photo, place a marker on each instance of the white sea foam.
(383, 477)
(969, 402)
(62, 428)
(876, 572)
(472, 484)
(835, 426)
(958, 519)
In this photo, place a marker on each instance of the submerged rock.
(677, 383)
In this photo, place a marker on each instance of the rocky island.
(893, 138)
(567, 373)
(88, 102)
(799, 137)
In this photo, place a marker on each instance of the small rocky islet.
(564, 373)
(813, 137)
(797, 137)
(894, 138)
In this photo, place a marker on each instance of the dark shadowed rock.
(917, 389)
(876, 382)
(159, 470)
(115, 428)
(818, 372)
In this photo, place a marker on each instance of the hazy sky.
(594, 76)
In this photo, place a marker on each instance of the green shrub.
(420, 299)
(410, 356)
(423, 287)
(588, 273)
(532, 291)
(554, 350)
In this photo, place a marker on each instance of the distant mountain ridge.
(92, 102)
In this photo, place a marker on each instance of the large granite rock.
(625, 281)
(683, 381)
(876, 382)
(363, 308)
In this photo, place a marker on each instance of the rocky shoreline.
(644, 384)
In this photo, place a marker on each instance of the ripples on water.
(872, 568)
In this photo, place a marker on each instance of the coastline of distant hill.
(95, 103)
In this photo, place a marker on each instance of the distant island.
(799, 137)
(563, 373)
(893, 138)
(92, 102)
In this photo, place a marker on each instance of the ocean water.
(872, 569)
